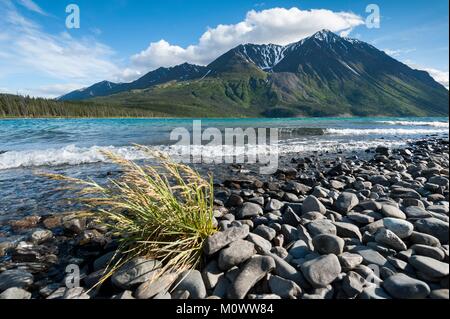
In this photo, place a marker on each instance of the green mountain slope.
(324, 75)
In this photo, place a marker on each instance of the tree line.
(12, 106)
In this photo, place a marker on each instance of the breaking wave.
(417, 123)
(73, 155)
(384, 131)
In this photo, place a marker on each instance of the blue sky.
(120, 40)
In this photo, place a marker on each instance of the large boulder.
(321, 271)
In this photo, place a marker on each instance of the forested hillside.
(20, 106)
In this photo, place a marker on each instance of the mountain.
(322, 75)
(181, 72)
(99, 89)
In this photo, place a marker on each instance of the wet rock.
(180, 295)
(52, 222)
(252, 272)
(91, 237)
(274, 204)
(416, 212)
(370, 205)
(57, 294)
(290, 217)
(289, 197)
(401, 192)
(265, 232)
(249, 210)
(312, 204)
(15, 293)
(321, 271)
(337, 184)
(211, 274)
(372, 257)
(103, 261)
(375, 292)
(222, 239)
(40, 236)
(74, 225)
(261, 245)
(237, 253)
(234, 201)
(5, 247)
(439, 180)
(299, 250)
(287, 271)
(135, 272)
(163, 296)
(361, 218)
(296, 188)
(401, 228)
(425, 239)
(25, 223)
(428, 251)
(349, 261)
(346, 202)
(192, 281)
(323, 226)
(429, 266)
(320, 192)
(402, 286)
(125, 295)
(434, 227)
(292, 234)
(284, 288)
(328, 244)
(15, 278)
(387, 237)
(222, 287)
(76, 293)
(440, 294)
(154, 286)
(347, 230)
(353, 284)
(393, 212)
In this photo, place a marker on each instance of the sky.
(121, 40)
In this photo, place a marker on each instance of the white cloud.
(6, 90)
(26, 49)
(277, 25)
(439, 76)
(398, 52)
(54, 90)
(30, 5)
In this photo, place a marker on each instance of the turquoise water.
(73, 146)
(41, 134)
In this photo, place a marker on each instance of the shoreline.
(220, 118)
(320, 220)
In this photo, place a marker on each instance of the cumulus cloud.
(26, 48)
(277, 25)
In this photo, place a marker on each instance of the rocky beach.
(367, 225)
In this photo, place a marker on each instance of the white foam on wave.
(417, 123)
(69, 155)
(73, 155)
(384, 131)
(333, 146)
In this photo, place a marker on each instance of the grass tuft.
(163, 212)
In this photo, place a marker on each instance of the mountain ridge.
(321, 75)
